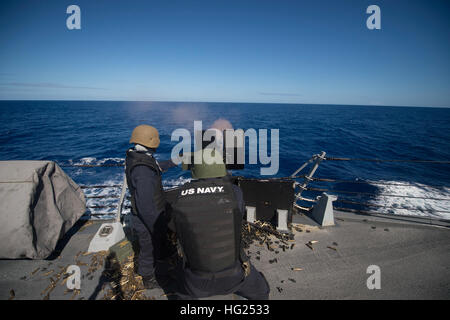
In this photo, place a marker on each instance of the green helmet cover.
(211, 166)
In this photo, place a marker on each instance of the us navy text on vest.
(202, 190)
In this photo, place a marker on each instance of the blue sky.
(240, 51)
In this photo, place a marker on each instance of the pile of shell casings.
(264, 233)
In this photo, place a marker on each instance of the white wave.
(78, 172)
(112, 195)
(88, 160)
(393, 205)
(400, 205)
(95, 161)
(170, 183)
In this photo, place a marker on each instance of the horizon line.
(231, 102)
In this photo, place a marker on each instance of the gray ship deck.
(414, 261)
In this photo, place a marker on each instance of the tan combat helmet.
(145, 135)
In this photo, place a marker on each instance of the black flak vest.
(208, 223)
(136, 158)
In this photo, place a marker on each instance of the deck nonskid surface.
(413, 260)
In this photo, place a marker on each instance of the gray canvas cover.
(39, 203)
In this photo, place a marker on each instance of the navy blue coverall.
(149, 226)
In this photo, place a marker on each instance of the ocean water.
(97, 132)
